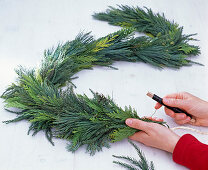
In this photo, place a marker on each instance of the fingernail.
(192, 120)
(129, 121)
(165, 100)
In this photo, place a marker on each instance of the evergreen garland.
(66, 115)
(62, 113)
(135, 164)
(95, 122)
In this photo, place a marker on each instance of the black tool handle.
(175, 109)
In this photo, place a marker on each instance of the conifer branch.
(166, 35)
(135, 164)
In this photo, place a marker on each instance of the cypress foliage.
(135, 164)
(40, 99)
(94, 122)
(167, 42)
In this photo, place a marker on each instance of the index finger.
(158, 105)
(175, 96)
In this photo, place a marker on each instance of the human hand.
(189, 103)
(153, 134)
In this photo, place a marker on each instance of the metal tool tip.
(150, 94)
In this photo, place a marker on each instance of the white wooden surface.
(27, 27)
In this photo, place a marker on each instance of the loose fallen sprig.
(134, 164)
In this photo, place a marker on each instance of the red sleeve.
(191, 153)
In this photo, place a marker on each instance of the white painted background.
(27, 27)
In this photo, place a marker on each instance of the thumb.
(137, 124)
(174, 102)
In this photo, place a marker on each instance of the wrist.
(172, 143)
